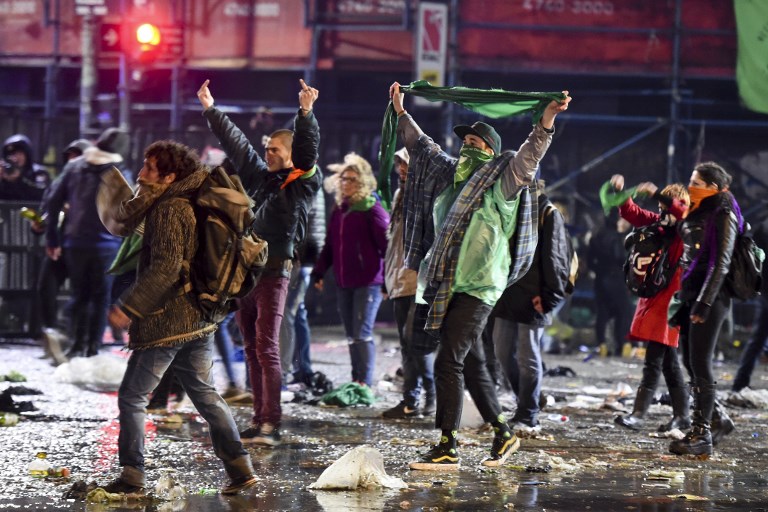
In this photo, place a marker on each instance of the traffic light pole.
(124, 94)
(87, 75)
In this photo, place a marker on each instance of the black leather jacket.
(703, 284)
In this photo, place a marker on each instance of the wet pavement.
(580, 461)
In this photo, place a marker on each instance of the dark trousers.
(662, 359)
(698, 342)
(612, 300)
(51, 278)
(91, 285)
(418, 368)
(461, 359)
(754, 348)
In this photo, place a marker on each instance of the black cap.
(482, 130)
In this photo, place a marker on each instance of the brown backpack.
(229, 257)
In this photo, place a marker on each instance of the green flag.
(612, 198)
(752, 60)
(494, 103)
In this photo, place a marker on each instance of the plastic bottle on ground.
(39, 467)
(8, 419)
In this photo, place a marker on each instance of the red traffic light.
(148, 34)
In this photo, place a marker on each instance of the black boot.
(722, 424)
(698, 441)
(681, 416)
(642, 403)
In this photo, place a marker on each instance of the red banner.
(620, 36)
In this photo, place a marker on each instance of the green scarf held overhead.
(610, 197)
(470, 158)
(493, 103)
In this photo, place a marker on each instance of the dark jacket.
(281, 213)
(760, 235)
(309, 248)
(704, 271)
(547, 277)
(162, 314)
(78, 186)
(355, 247)
(34, 178)
(606, 255)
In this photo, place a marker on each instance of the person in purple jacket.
(355, 245)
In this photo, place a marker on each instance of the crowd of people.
(473, 256)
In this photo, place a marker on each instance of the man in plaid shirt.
(473, 199)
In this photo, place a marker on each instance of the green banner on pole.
(752, 61)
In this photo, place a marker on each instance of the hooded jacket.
(162, 313)
(34, 178)
(78, 185)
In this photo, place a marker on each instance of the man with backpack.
(283, 187)
(526, 307)
(166, 326)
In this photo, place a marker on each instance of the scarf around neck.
(470, 158)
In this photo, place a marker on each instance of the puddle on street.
(585, 463)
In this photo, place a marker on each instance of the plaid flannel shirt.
(430, 171)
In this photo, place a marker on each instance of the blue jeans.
(192, 363)
(358, 308)
(518, 348)
(295, 338)
(418, 368)
(224, 346)
(302, 365)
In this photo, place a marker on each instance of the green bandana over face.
(470, 158)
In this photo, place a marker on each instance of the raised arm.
(522, 168)
(306, 136)
(246, 160)
(407, 128)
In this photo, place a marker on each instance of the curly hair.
(360, 166)
(173, 157)
(713, 174)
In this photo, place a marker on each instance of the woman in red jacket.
(650, 320)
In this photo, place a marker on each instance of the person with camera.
(20, 178)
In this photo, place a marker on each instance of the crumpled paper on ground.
(361, 467)
(103, 372)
